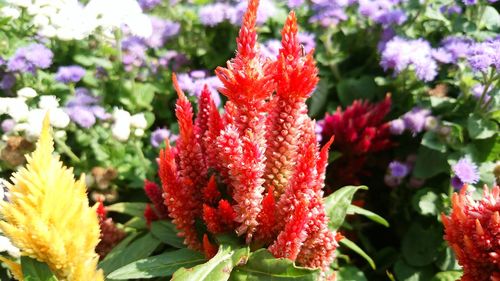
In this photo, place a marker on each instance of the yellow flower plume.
(48, 215)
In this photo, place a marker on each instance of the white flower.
(26, 93)
(48, 102)
(139, 132)
(140, 25)
(59, 118)
(34, 124)
(15, 107)
(121, 131)
(121, 115)
(20, 3)
(139, 121)
(10, 12)
(7, 246)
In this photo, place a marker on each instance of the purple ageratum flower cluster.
(194, 82)
(292, 4)
(465, 173)
(70, 74)
(149, 4)
(400, 54)
(483, 55)
(416, 121)
(162, 31)
(8, 81)
(270, 48)
(384, 12)
(397, 171)
(134, 53)
(456, 46)
(328, 12)
(159, 136)
(30, 58)
(84, 109)
(214, 14)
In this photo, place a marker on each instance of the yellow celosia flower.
(48, 215)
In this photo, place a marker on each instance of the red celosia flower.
(155, 194)
(359, 130)
(257, 169)
(473, 232)
(111, 235)
(150, 215)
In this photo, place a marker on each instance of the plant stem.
(67, 150)
(141, 155)
(487, 84)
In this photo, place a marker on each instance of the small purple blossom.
(397, 126)
(456, 183)
(30, 58)
(159, 136)
(398, 169)
(441, 55)
(134, 53)
(307, 41)
(469, 2)
(162, 31)
(456, 46)
(8, 81)
(194, 82)
(83, 108)
(483, 55)
(415, 119)
(81, 115)
(400, 53)
(451, 9)
(149, 4)
(70, 74)
(8, 125)
(213, 14)
(270, 49)
(466, 171)
(294, 3)
(328, 12)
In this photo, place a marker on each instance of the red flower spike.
(267, 217)
(110, 234)
(192, 164)
(359, 132)
(209, 249)
(205, 107)
(210, 193)
(323, 161)
(180, 198)
(227, 214)
(155, 194)
(212, 220)
(150, 215)
(289, 241)
(473, 232)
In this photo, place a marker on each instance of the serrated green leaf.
(447, 276)
(426, 202)
(138, 249)
(262, 265)
(167, 233)
(135, 209)
(217, 268)
(351, 245)
(353, 209)
(158, 266)
(34, 270)
(337, 203)
(481, 128)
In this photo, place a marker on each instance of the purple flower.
(162, 31)
(441, 55)
(414, 120)
(456, 46)
(30, 58)
(159, 136)
(397, 126)
(456, 183)
(194, 82)
(70, 74)
(399, 54)
(173, 59)
(149, 4)
(398, 169)
(265, 11)
(469, 2)
(134, 53)
(81, 115)
(483, 55)
(294, 3)
(394, 17)
(8, 125)
(466, 171)
(213, 14)
(83, 108)
(8, 81)
(451, 9)
(328, 12)
(307, 41)
(271, 49)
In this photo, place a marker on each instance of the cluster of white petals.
(124, 123)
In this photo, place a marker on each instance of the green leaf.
(419, 245)
(480, 128)
(262, 265)
(405, 272)
(351, 89)
(446, 260)
(167, 233)
(350, 273)
(432, 141)
(158, 266)
(426, 202)
(217, 268)
(337, 203)
(34, 270)
(351, 245)
(447, 276)
(491, 18)
(319, 98)
(138, 249)
(353, 209)
(430, 163)
(135, 209)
